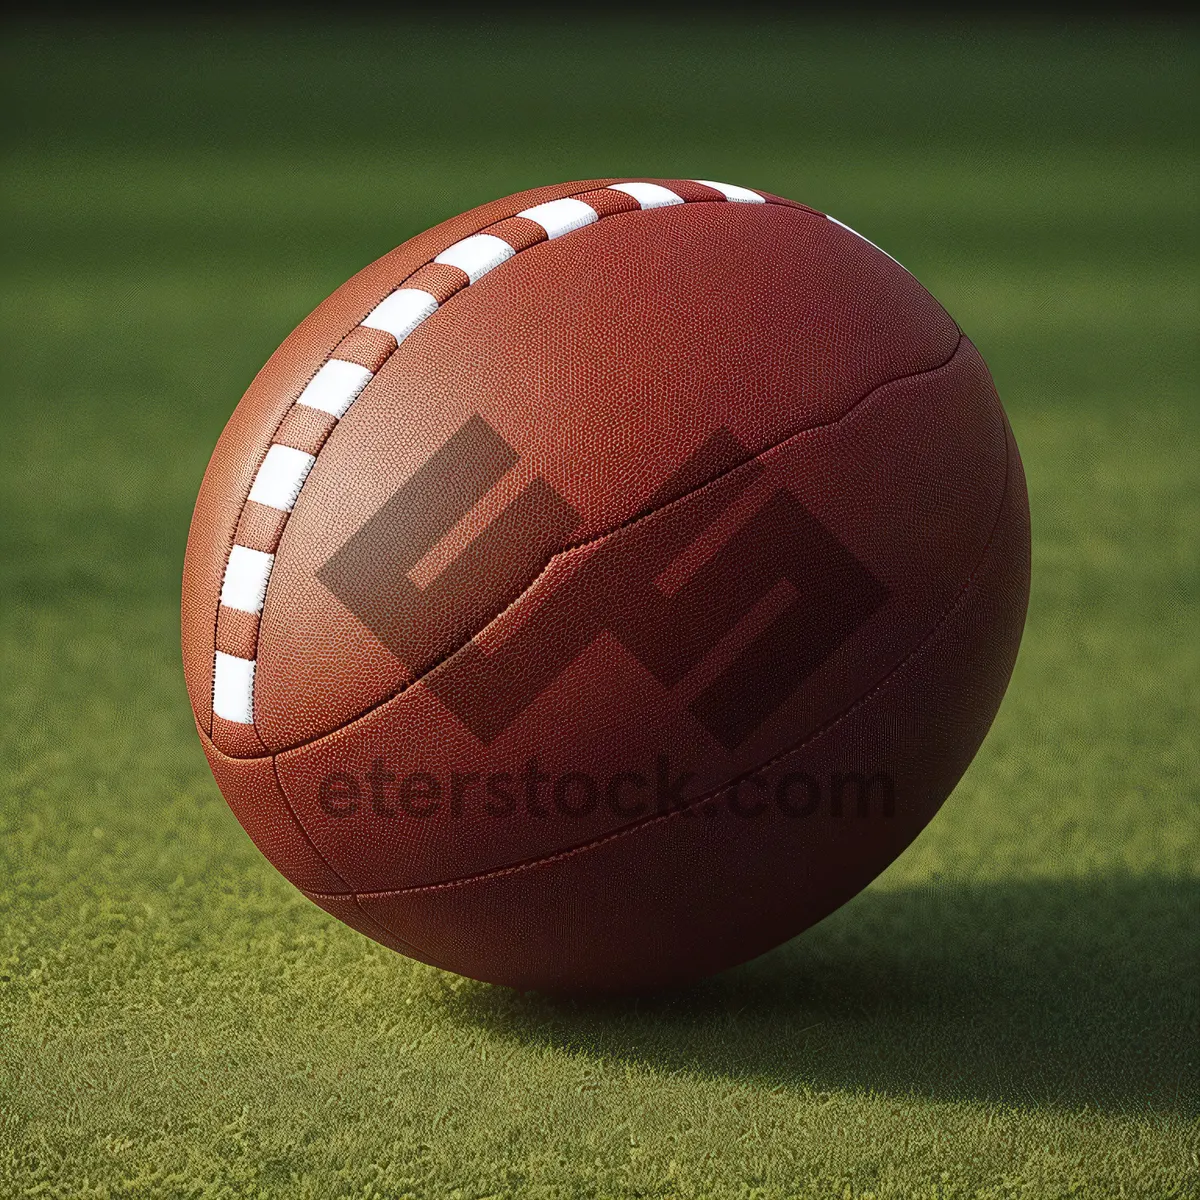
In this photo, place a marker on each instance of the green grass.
(1010, 1011)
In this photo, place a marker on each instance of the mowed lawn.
(1010, 1011)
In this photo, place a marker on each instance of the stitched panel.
(325, 400)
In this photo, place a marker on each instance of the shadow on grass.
(1039, 992)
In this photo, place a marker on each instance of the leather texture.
(627, 559)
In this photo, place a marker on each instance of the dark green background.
(1011, 1010)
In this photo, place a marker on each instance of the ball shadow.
(1036, 992)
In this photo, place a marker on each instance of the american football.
(607, 584)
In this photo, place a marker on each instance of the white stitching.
(476, 255)
(245, 582)
(280, 477)
(557, 217)
(648, 195)
(401, 312)
(335, 387)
